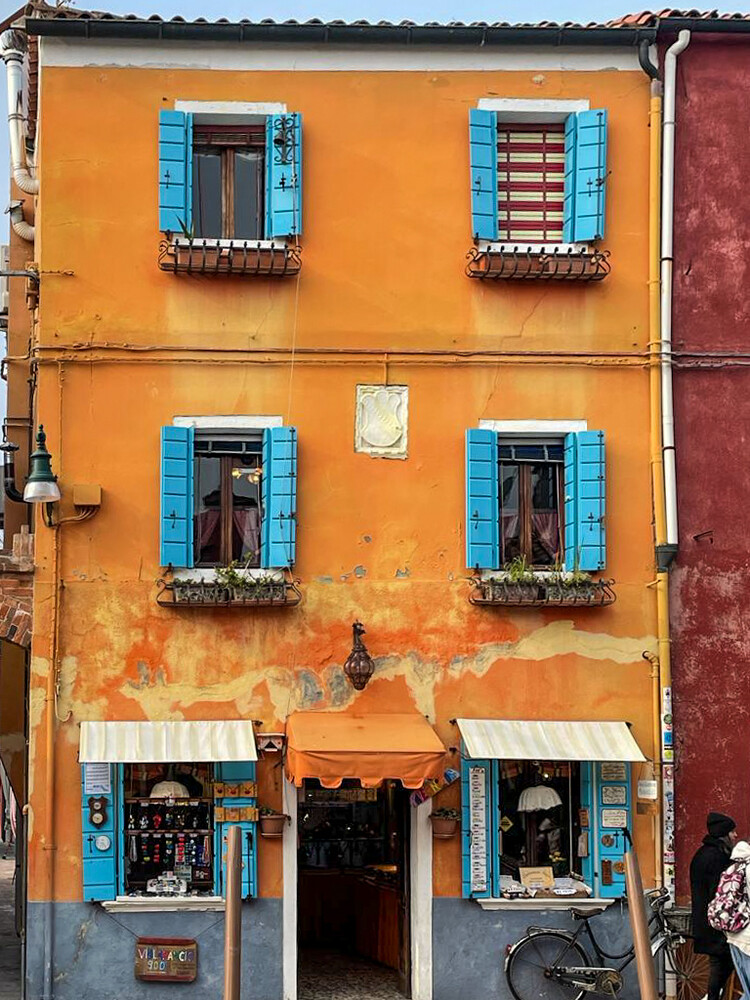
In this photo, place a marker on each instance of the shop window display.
(169, 828)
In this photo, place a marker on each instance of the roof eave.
(351, 34)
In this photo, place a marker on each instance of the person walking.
(711, 859)
(739, 941)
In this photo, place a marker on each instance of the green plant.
(267, 811)
(237, 576)
(519, 571)
(446, 814)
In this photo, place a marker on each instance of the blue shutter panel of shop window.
(585, 176)
(99, 865)
(176, 496)
(483, 165)
(477, 829)
(279, 526)
(613, 803)
(236, 771)
(283, 175)
(585, 501)
(571, 129)
(482, 504)
(588, 829)
(175, 172)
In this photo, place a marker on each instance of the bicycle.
(550, 963)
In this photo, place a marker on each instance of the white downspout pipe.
(667, 241)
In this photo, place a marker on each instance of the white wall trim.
(420, 875)
(208, 573)
(229, 422)
(511, 109)
(356, 58)
(534, 428)
(289, 886)
(231, 107)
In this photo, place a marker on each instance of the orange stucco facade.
(382, 297)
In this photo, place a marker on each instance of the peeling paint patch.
(324, 579)
(360, 571)
(367, 538)
(310, 691)
(403, 573)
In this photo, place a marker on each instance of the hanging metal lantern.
(359, 666)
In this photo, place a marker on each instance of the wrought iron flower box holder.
(542, 593)
(525, 264)
(248, 257)
(210, 594)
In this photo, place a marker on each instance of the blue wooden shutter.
(482, 503)
(585, 176)
(279, 486)
(588, 822)
(176, 172)
(176, 496)
(283, 175)
(483, 164)
(477, 828)
(99, 866)
(585, 501)
(613, 802)
(234, 772)
(571, 129)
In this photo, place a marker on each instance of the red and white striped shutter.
(531, 180)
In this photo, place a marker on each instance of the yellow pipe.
(662, 674)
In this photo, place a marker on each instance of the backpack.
(729, 910)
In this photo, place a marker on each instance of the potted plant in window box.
(445, 823)
(271, 823)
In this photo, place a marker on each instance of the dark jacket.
(710, 860)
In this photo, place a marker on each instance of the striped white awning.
(516, 739)
(166, 742)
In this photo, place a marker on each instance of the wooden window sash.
(525, 526)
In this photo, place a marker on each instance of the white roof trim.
(228, 423)
(231, 107)
(167, 742)
(517, 739)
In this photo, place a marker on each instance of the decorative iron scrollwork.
(248, 257)
(284, 139)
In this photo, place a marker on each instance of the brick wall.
(16, 587)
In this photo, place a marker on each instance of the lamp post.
(359, 666)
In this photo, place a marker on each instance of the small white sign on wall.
(382, 420)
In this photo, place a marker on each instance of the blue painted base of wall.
(469, 946)
(95, 951)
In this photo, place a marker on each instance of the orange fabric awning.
(369, 748)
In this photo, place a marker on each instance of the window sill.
(163, 904)
(563, 903)
(536, 262)
(258, 258)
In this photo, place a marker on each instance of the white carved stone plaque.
(381, 420)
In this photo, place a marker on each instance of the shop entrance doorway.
(353, 892)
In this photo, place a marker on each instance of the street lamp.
(41, 484)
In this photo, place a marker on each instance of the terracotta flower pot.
(272, 826)
(443, 828)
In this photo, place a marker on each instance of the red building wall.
(710, 591)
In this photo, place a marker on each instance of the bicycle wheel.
(687, 973)
(529, 965)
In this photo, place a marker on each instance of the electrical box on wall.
(87, 495)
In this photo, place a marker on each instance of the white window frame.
(218, 424)
(511, 110)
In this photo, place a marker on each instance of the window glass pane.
(510, 522)
(248, 171)
(207, 510)
(246, 510)
(545, 524)
(533, 835)
(207, 194)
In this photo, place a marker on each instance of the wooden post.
(233, 915)
(644, 960)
